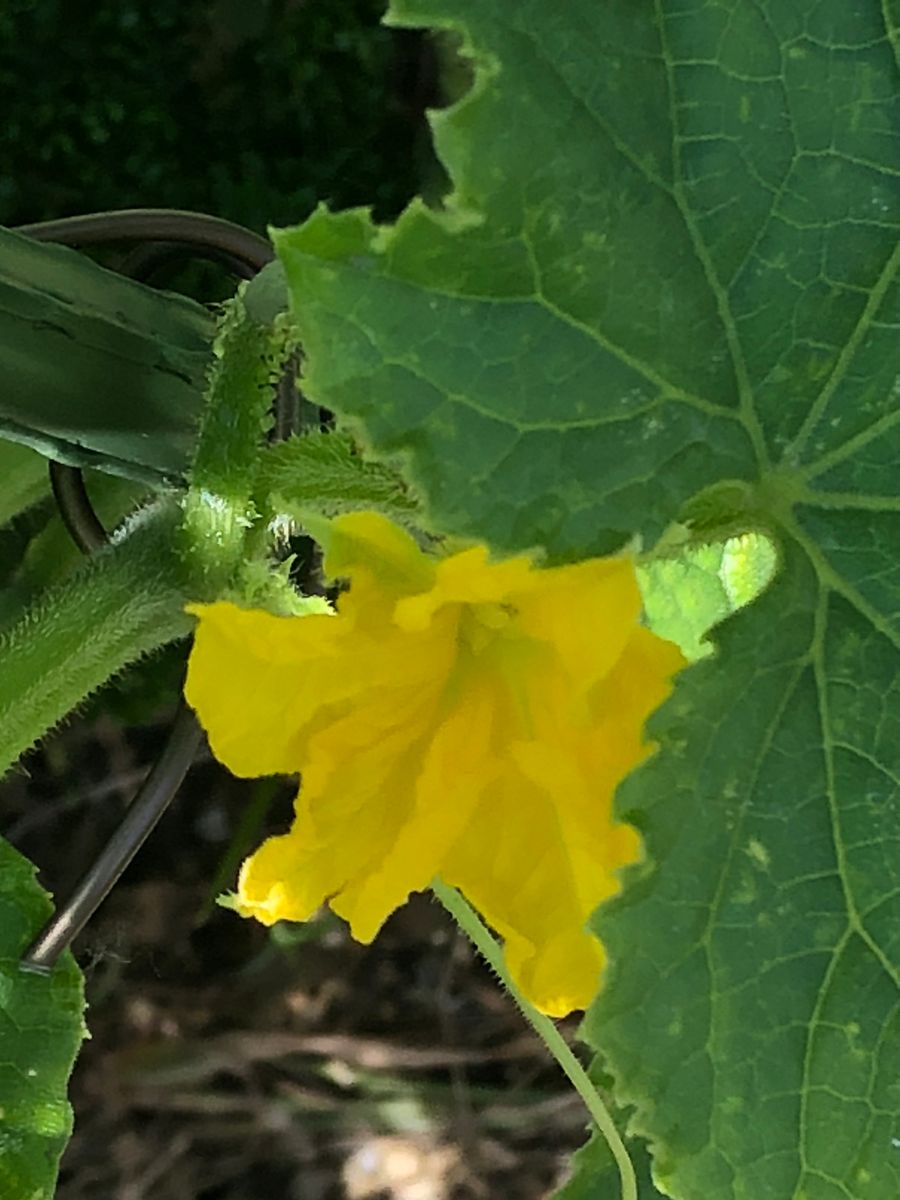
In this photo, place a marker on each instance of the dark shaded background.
(228, 1062)
(250, 109)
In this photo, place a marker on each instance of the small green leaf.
(326, 473)
(41, 1030)
(749, 563)
(686, 594)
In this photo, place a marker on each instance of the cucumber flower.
(455, 717)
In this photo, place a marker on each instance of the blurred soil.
(230, 1062)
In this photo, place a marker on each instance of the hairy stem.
(472, 925)
(122, 603)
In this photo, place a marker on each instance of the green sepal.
(326, 472)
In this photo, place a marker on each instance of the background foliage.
(252, 112)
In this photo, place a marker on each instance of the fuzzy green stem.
(122, 603)
(250, 359)
(472, 925)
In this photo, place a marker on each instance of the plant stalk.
(124, 602)
(485, 942)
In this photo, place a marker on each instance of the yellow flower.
(456, 717)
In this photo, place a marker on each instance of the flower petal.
(536, 873)
(456, 769)
(588, 611)
(544, 850)
(367, 543)
(338, 836)
(463, 718)
(360, 773)
(254, 681)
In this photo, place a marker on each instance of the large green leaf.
(751, 1010)
(41, 1029)
(664, 288)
